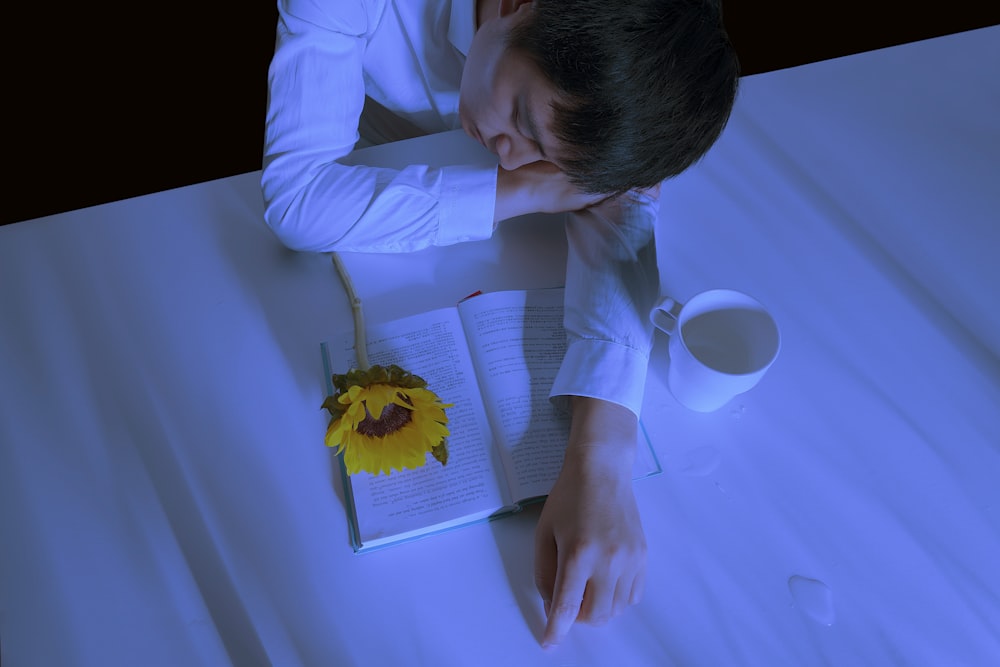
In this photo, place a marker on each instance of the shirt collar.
(462, 25)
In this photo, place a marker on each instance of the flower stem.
(360, 337)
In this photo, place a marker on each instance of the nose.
(513, 153)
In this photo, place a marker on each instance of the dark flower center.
(393, 418)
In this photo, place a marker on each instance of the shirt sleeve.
(316, 93)
(612, 283)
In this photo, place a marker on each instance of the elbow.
(288, 225)
(285, 231)
(283, 209)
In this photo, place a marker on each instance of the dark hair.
(646, 86)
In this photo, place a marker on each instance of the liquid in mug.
(736, 341)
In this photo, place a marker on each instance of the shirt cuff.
(468, 197)
(602, 369)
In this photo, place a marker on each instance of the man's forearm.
(537, 188)
(602, 433)
(612, 282)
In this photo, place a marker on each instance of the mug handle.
(664, 315)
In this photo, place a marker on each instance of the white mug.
(721, 343)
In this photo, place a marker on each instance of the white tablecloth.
(166, 499)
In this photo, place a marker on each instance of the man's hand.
(539, 187)
(590, 550)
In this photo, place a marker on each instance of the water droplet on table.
(813, 597)
(700, 460)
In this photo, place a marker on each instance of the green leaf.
(440, 452)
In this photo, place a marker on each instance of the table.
(165, 497)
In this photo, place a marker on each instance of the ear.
(510, 6)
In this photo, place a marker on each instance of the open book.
(495, 357)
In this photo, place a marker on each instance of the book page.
(518, 342)
(433, 497)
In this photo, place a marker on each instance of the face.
(504, 100)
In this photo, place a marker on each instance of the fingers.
(545, 566)
(567, 596)
(638, 587)
(653, 191)
(594, 602)
(622, 596)
(598, 602)
(605, 599)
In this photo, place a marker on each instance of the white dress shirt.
(408, 57)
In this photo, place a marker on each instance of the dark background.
(114, 100)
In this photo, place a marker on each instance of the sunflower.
(385, 418)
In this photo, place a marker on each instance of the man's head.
(619, 95)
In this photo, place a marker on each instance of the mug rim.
(746, 301)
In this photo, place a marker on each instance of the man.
(588, 106)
